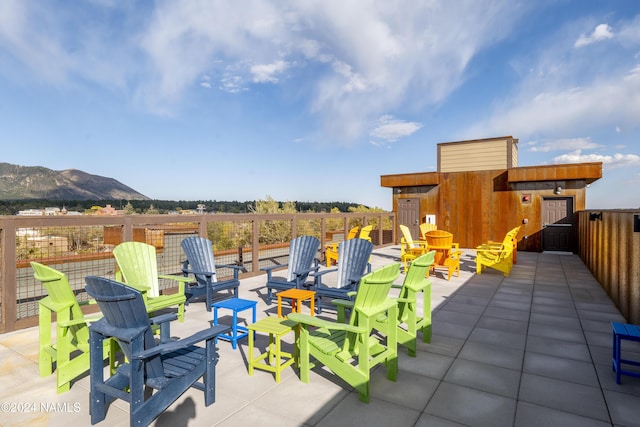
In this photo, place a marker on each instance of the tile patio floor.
(533, 349)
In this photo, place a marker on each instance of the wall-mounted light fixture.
(595, 215)
(558, 190)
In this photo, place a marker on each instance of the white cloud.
(391, 130)
(601, 32)
(616, 161)
(355, 61)
(604, 101)
(268, 73)
(562, 145)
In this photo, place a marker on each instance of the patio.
(528, 350)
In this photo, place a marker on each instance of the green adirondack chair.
(139, 269)
(351, 350)
(409, 320)
(70, 349)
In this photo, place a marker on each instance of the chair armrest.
(170, 346)
(305, 319)
(370, 312)
(163, 318)
(180, 279)
(236, 268)
(318, 275)
(342, 303)
(207, 274)
(269, 269)
(80, 321)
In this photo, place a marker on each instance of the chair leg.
(45, 358)
(210, 373)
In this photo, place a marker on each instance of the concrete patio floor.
(531, 349)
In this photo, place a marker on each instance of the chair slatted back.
(373, 290)
(352, 233)
(124, 310)
(365, 232)
(139, 265)
(199, 252)
(60, 298)
(302, 251)
(415, 278)
(354, 256)
(407, 236)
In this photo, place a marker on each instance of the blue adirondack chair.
(303, 260)
(201, 263)
(354, 263)
(169, 368)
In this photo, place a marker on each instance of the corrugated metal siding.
(611, 249)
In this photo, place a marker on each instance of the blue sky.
(314, 100)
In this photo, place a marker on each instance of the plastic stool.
(236, 305)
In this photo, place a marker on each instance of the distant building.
(478, 193)
(31, 212)
(110, 210)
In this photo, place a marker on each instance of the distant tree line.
(11, 207)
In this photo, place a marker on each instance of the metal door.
(557, 223)
(409, 215)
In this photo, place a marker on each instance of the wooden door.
(557, 224)
(409, 215)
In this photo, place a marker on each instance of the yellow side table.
(274, 359)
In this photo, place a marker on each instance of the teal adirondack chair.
(70, 351)
(351, 350)
(410, 322)
(139, 269)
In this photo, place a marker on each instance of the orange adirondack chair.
(447, 252)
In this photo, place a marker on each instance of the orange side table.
(297, 296)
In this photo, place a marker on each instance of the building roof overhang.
(410, 179)
(590, 172)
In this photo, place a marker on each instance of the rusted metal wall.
(609, 245)
(483, 205)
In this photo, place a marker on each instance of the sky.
(315, 100)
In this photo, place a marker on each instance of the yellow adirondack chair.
(498, 257)
(425, 227)
(139, 269)
(351, 350)
(365, 232)
(492, 244)
(331, 249)
(410, 249)
(70, 351)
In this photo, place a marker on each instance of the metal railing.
(81, 245)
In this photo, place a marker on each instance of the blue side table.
(623, 332)
(236, 305)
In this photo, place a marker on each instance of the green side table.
(274, 359)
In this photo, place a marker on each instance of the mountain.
(36, 182)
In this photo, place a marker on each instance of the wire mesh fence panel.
(76, 251)
(231, 244)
